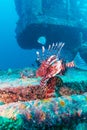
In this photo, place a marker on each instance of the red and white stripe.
(43, 81)
(70, 64)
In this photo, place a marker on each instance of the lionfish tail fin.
(79, 62)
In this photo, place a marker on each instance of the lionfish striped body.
(51, 64)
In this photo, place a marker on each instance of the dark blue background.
(11, 55)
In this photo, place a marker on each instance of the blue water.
(11, 55)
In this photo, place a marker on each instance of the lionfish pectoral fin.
(79, 62)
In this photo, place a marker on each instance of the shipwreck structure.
(55, 20)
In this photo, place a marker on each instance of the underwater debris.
(54, 88)
(56, 112)
(32, 92)
(57, 20)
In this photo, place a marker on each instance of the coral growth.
(26, 73)
(63, 91)
(27, 93)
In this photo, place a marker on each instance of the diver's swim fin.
(79, 62)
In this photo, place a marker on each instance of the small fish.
(42, 40)
(78, 62)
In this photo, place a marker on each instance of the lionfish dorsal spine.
(38, 56)
(59, 49)
(53, 49)
(43, 53)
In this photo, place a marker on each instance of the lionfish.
(51, 64)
